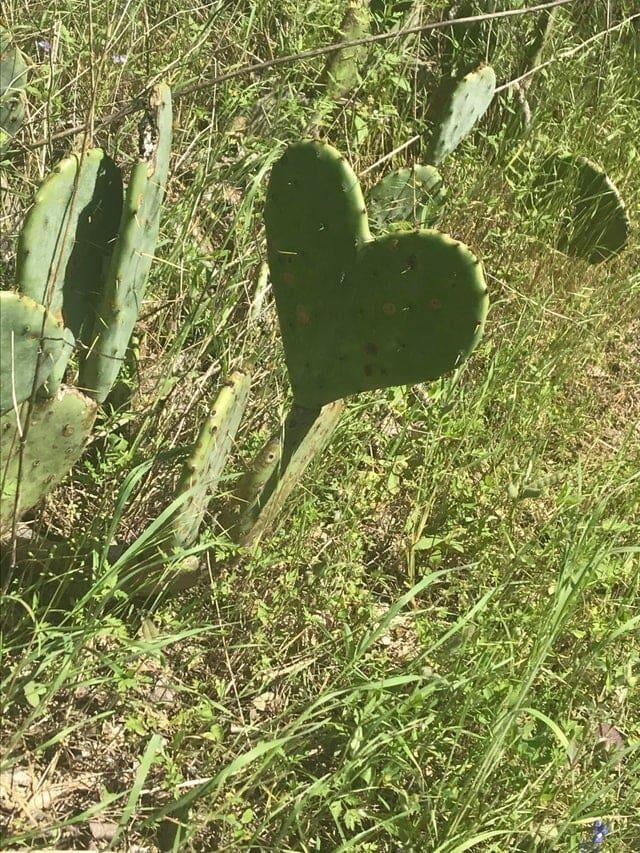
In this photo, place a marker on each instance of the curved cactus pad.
(67, 236)
(594, 223)
(58, 429)
(31, 341)
(360, 314)
(413, 194)
(132, 257)
(340, 73)
(205, 465)
(460, 106)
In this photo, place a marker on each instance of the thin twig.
(390, 154)
(565, 54)
(137, 103)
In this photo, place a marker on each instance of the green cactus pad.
(132, 257)
(31, 341)
(67, 237)
(55, 379)
(202, 470)
(57, 431)
(340, 74)
(459, 106)
(413, 195)
(13, 78)
(579, 195)
(358, 314)
(278, 468)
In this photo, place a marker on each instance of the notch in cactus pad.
(356, 313)
(458, 107)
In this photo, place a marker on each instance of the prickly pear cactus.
(32, 341)
(278, 468)
(580, 196)
(410, 195)
(132, 256)
(355, 313)
(55, 432)
(67, 237)
(204, 467)
(13, 79)
(340, 74)
(459, 106)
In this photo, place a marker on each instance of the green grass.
(420, 656)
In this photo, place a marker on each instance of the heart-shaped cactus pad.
(357, 313)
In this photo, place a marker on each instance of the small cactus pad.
(593, 220)
(358, 314)
(132, 257)
(54, 380)
(204, 466)
(31, 341)
(67, 236)
(460, 104)
(278, 468)
(340, 74)
(55, 433)
(414, 195)
(13, 78)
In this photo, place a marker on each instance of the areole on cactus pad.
(358, 313)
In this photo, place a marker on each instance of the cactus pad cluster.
(82, 265)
